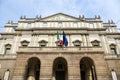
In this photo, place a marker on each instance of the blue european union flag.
(65, 41)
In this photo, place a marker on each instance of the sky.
(13, 9)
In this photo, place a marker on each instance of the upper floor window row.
(42, 43)
(60, 24)
(76, 43)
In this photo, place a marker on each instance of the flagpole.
(60, 34)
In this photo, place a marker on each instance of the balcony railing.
(60, 49)
(8, 56)
(112, 56)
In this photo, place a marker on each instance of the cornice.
(79, 20)
(13, 26)
(60, 14)
(88, 29)
(7, 33)
(60, 51)
(100, 31)
(115, 33)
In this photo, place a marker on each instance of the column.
(104, 44)
(84, 41)
(20, 68)
(69, 42)
(31, 73)
(87, 40)
(46, 69)
(93, 73)
(118, 46)
(107, 44)
(73, 70)
(90, 75)
(15, 46)
(2, 46)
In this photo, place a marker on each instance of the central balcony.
(60, 49)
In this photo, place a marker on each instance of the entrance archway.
(87, 69)
(60, 71)
(33, 69)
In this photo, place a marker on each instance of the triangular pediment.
(60, 17)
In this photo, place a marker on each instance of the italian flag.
(59, 41)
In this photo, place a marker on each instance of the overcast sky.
(13, 9)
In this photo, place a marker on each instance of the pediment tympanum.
(60, 17)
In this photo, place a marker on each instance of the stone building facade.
(29, 49)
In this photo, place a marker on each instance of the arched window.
(33, 69)
(60, 70)
(87, 69)
(113, 49)
(42, 43)
(77, 43)
(95, 43)
(25, 43)
(7, 48)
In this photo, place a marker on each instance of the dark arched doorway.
(87, 69)
(33, 69)
(60, 71)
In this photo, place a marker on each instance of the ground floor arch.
(87, 69)
(60, 69)
(33, 69)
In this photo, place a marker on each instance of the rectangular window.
(91, 25)
(44, 24)
(29, 25)
(11, 30)
(24, 45)
(95, 25)
(75, 24)
(110, 29)
(60, 66)
(95, 44)
(7, 50)
(113, 51)
(42, 45)
(77, 45)
(59, 24)
(107, 30)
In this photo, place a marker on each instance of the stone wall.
(73, 63)
(7, 64)
(114, 64)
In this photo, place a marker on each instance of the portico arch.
(87, 69)
(60, 70)
(33, 69)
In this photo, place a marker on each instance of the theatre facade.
(31, 49)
